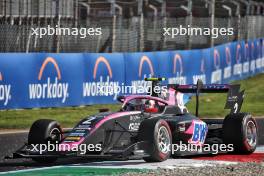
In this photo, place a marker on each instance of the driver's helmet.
(150, 104)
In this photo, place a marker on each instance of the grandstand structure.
(127, 25)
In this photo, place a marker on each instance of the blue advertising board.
(72, 79)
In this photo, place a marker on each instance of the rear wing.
(207, 88)
(234, 99)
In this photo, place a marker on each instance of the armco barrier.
(54, 80)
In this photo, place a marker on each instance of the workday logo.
(202, 75)
(262, 48)
(228, 68)
(216, 59)
(106, 63)
(5, 91)
(228, 56)
(177, 71)
(51, 88)
(103, 87)
(259, 50)
(142, 61)
(238, 67)
(202, 67)
(216, 76)
(247, 53)
(139, 84)
(261, 53)
(177, 59)
(238, 54)
(259, 60)
(246, 59)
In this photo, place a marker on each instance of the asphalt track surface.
(9, 142)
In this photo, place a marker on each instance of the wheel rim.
(163, 140)
(55, 135)
(251, 133)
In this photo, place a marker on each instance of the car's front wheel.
(158, 134)
(43, 131)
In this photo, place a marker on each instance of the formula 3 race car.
(146, 127)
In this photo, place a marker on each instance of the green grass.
(20, 119)
(211, 105)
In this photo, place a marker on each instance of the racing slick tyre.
(241, 131)
(41, 132)
(158, 135)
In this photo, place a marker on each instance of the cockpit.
(145, 104)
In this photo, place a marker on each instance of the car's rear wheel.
(43, 131)
(241, 131)
(158, 134)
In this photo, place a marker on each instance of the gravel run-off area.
(244, 169)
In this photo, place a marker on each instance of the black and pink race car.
(148, 127)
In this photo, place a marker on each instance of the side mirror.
(151, 110)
